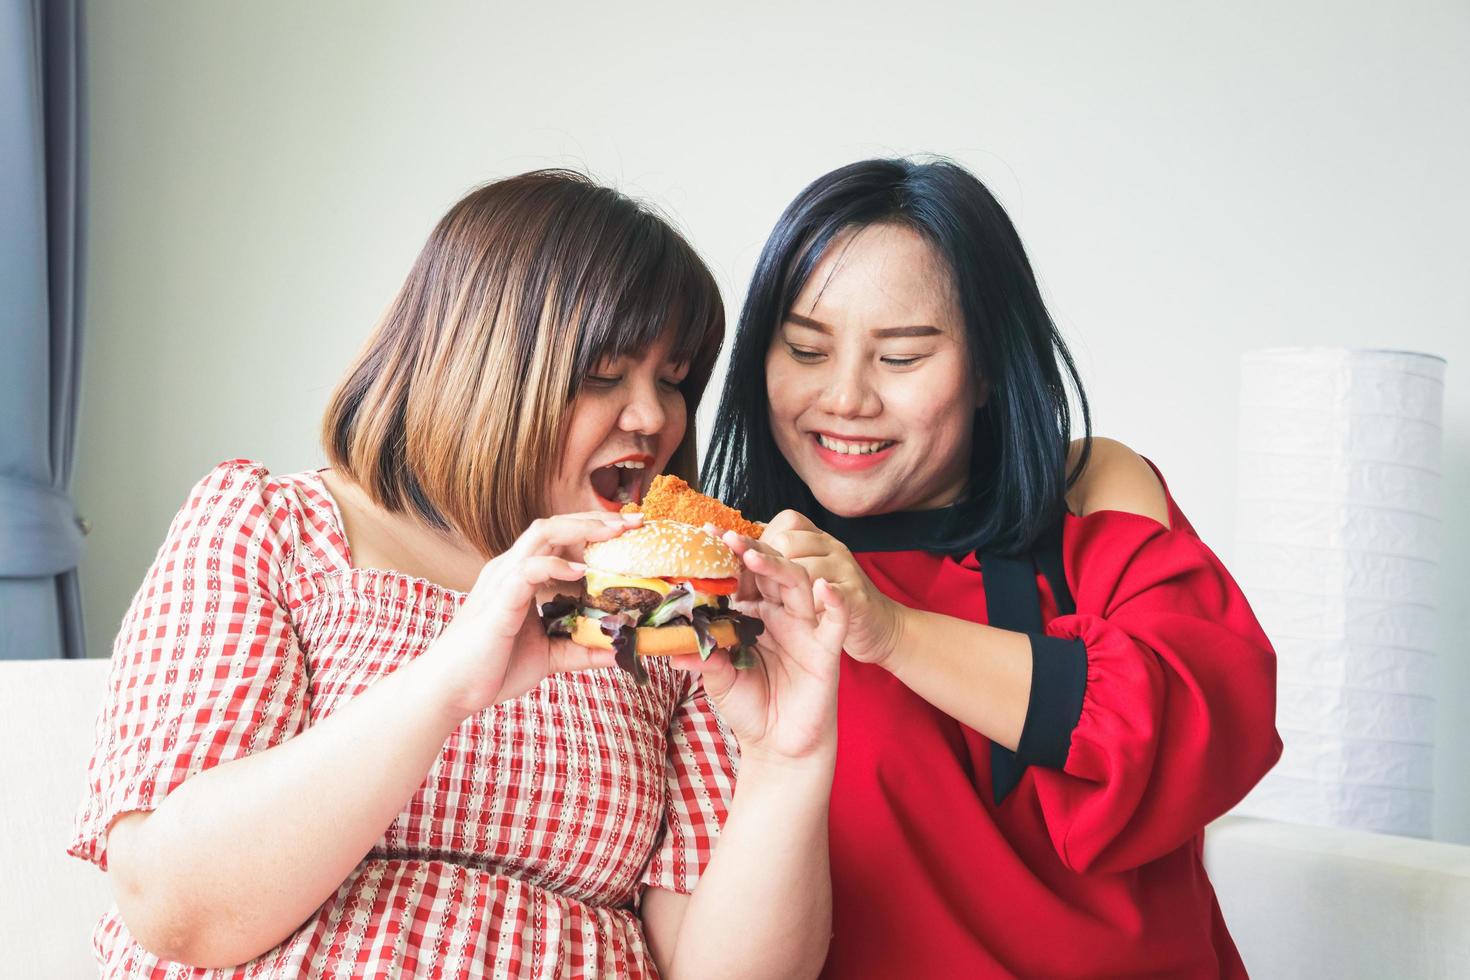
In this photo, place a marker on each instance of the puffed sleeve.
(206, 667)
(700, 783)
(1175, 721)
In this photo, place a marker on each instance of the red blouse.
(1092, 864)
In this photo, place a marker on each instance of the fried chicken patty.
(671, 499)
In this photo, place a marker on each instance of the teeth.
(852, 448)
(630, 464)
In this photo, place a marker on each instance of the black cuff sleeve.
(1058, 681)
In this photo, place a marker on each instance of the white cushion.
(49, 901)
(1322, 902)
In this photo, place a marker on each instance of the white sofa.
(1300, 901)
(48, 901)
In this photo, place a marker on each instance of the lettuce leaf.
(623, 629)
(560, 614)
(679, 602)
(699, 618)
(747, 629)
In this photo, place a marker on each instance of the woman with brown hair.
(307, 647)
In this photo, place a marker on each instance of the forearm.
(238, 856)
(763, 906)
(978, 675)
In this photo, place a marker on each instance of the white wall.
(1191, 183)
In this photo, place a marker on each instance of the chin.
(844, 504)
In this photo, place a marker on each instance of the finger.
(798, 543)
(604, 515)
(529, 574)
(773, 541)
(740, 544)
(541, 569)
(691, 662)
(566, 656)
(746, 589)
(786, 579)
(750, 587)
(789, 520)
(718, 673)
(763, 588)
(821, 566)
(566, 530)
(524, 576)
(836, 614)
(506, 591)
(803, 544)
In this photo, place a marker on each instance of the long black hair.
(1018, 470)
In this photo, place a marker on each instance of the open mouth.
(621, 482)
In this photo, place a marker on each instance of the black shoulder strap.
(1048, 557)
(1011, 599)
(1013, 602)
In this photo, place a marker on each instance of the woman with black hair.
(1052, 685)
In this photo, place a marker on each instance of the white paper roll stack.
(1337, 551)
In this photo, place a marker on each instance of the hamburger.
(656, 590)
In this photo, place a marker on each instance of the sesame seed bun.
(663, 549)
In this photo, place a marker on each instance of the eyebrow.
(916, 330)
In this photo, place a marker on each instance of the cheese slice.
(602, 581)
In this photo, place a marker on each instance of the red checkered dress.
(526, 848)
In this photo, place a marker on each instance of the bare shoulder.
(1116, 478)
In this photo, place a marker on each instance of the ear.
(982, 392)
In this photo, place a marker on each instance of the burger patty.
(626, 599)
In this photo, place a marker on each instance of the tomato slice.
(710, 586)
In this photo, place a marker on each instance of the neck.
(402, 542)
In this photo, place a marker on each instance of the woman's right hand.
(875, 622)
(496, 648)
(786, 710)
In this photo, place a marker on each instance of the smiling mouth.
(622, 482)
(851, 448)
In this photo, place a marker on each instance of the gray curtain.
(41, 212)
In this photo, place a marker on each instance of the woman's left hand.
(784, 709)
(874, 620)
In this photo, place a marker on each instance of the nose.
(849, 393)
(644, 413)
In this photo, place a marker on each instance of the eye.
(902, 361)
(805, 355)
(675, 374)
(604, 380)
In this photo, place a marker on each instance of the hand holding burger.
(495, 648)
(785, 711)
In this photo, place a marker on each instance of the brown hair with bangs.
(456, 407)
